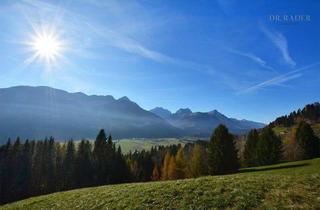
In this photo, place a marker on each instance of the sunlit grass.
(294, 185)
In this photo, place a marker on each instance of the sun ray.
(46, 45)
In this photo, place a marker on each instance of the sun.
(46, 45)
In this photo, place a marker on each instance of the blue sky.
(225, 55)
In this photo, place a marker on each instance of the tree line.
(32, 168)
(40, 167)
(265, 147)
(310, 113)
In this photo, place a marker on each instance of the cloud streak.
(254, 58)
(280, 42)
(279, 80)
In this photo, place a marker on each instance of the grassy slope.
(282, 131)
(292, 185)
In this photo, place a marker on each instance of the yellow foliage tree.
(197, 165)
(165, 166)
(155, 174)
(172, 168)
(180, 164)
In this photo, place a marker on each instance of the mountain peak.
(161, 112)
(216, 113)
(124, 98)
(184, 111)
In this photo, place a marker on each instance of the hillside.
(292, 185)
(283, 125)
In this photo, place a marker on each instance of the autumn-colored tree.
(291, 149)
(165, 166)
(172, 168)
(180, 164)
(198, 162)
(155, 173)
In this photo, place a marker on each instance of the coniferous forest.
(30, 168)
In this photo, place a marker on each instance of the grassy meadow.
(139, 144)
(294, 185)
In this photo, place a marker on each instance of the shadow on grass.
(273, 168)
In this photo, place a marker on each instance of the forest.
(29, 168)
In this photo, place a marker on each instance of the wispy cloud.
(254, 58)
(280, 41)
(279, 80)
(109, 34)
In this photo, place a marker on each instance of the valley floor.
(294, 185)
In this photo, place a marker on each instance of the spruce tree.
(269, 147)
(250, 151)
(222, 155)
(69, 166)
(307, 141)
(100, 158)
(83, 165)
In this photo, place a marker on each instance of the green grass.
(138, 144)
(280, 130)
(283, 131)
(294, 185)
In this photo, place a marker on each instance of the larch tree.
(198, 163)
(180, 164)
(165, 166)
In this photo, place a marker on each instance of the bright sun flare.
(46, 46)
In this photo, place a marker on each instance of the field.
(138, 144)
(294, 185)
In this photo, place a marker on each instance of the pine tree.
(6, 172)
(307, 141)
(100, 158)
(60, 154)
(269, 147)
(50, 164)
(69, 166)
(250, 151)
(222, 156)
(83, 165)
(26, 169)
(15, 190)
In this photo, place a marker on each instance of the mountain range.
(37, 112)
(201, 124)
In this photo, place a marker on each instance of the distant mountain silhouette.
(37, 112)
(202, 123)
(161, 112)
